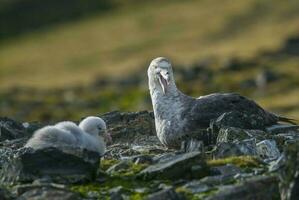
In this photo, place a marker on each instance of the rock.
(140, 159)
(10, 129)
(148, 149)
(119, 150)
(243, 121)
(177, 166)
(5, 153)
(70, 166)
(165, 157)
(217, 180)
(232, 134)
(132, 133)
(227, 149)
(131, 128)
(122, 165)
(116, 193)
(258, 188)
(92, 195)
(282, 128)
(163, 186)
(207, 183)
(35, 174)
(227, 170)
(49, 194)
(206, 136)
(242, 177)
(141, 190)
(264, 77)
(192, 145)
(166, 194)
(289, 173)
(277, 164)
(125, 150)
(18, 190)
(5, 194)
(267, 150)
(283, 139)
(196, 186)
(14, 144)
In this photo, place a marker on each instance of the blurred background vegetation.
(64, 59)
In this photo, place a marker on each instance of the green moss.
(136, 168)
(240, 161)
(137, 196)
(84, 189)
(131, 171)
(128, 187)
(187, 193)
(124, 178)
(106, 163)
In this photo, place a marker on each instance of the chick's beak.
(107, 138)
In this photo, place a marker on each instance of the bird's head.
(160, 74)
(95, 126)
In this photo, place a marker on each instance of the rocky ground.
(233, 163)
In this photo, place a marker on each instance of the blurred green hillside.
(66, 67)
(20, 16)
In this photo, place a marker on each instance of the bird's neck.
(167, 104)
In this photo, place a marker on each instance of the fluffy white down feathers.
(90, 134)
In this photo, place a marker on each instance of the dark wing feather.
(209, 107)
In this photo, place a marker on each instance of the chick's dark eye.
(99, 127)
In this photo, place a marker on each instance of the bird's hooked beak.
(164, 80)
(107, 137)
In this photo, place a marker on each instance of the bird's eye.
(99, 127)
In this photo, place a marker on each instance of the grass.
(124, 40)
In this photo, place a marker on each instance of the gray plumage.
(177, 114)
(89, 134)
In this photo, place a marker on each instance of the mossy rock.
(239, 161)
(107, 163)
(197, 196)
(125, 169)
(187, 165)
(232, 134)
(289, 173)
